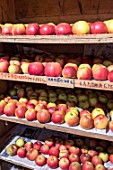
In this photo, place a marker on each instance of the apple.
(59, 142)
(11, 150)
(111, 125)
(30, 106)
(104, 156)
(36, 68)
(39, 58)
(49, 142)
(68, 143)
(73, 109)
(84, 112)
(102, 98)
(39, 106)
(98, 27)
(87, 166)
(75, 166)
(30, 114)
(84, 149)
(99, 72)
(20, 92)
(100, 167)
(43, 116)
(64, 163)
(92, 152)
(47, 29)
(109, 24)
(62, 147)
(96, 160)
(24, 67)
(51, 107)
(21, 152)
(71, 118)
(52, 162)
(79, 142)
(32, 29)
(110, 68)
(40, 160)
(20, 142)
(64, 153)
(62, 107)
(63, 29)
(111, 158)
(69, 72)
(84, 73)
(101, 122)
(20, 111)
(9, 109)
(74, 158)
(80, 27)
(107, 63)
(44, 149)
(54, 151)
(28, 145)
(52, 69)
(32, 154)
(18, 29)
(110, 76)
(104, 144)
(4, 64)
(60, 60)
(37, 145)
(74, 150)
(97, 111)
(72, 64)
(57, 117)
(7, 29)
(110, 104)
(99, 148)
(85, 157)
(86, 122)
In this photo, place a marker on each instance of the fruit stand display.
(56, 71)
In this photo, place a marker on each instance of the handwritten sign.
(93, 84)
(60, 82)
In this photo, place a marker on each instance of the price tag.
(60, 82)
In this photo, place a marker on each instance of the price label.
(60, 82)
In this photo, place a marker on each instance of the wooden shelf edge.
(59, 39)
(61, 128)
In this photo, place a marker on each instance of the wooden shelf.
(59, 39)
(58, 81)
(93, 133)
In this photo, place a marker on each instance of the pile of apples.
(83, 68)
(77, 28)
(72, 154)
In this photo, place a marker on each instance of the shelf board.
(58, 81)
(58, 39)
(92, 133)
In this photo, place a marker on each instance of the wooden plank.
(63, 39)
(98, 134)
(105, 7)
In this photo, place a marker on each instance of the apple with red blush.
(4, 64)
(20, 111)
(32, 154)
(62, 107)
(40, 160)
(7, 29)
(57, 117)
(32, 29)
(87, 166)
(92, 152)
(69, 72)
(9, 109)
(63, 29)
(75, 166)
(50, 142)
(74, 158)
(64, 153)
(68, 143)
(64, 163)
(98, 27)
(96, 160)
(86, 122)
(37, 145)
(52, 162)
(30, 114)
(85, 157)
(54, 151)
(21, 152)
(28, 145)
(44, 149)
(43, 116)
(74, 150)
(100, 167)
(36, 68)
(84, 72)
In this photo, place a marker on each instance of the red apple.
(30, 114)
(74, 150)
(47, 29)
(32, 154)
(52, 69)
(69, 72)
(52, 162)
(39, 106)
(28, 145)
(85, 157)
(21, 152)
(100, 72)
(62, 147)
(92, 152)
(74, 158)
(30, 106)
(7, 29)
(20, 111)
(100, 167)
(44, 149)
(18, 29)
(68, 143)
(80, 27)
(84, 112)
(110, 76)
(43, 116)
(37, 145)
(84, 73)
(63, 29)
(111, 158)
(87, 166)
(93, 143)
(36, 68)
(64, 163)
(40, 160)
(49, 142)
(4, 64)
(54, 151)
(96, 160)
(64, 153)
(74, 166)
(101, 122)
(32, 29)
(111, 125)
(57, 117)
(9, 109)
(86, 122)
(98, 27)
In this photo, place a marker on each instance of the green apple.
(12, 92)
(62, 96)
(52, 94)
(20, 142)
(82, 97)
(52, 99)
(84, 104)
(43, 93)
(102, 98)
(93, 101)
(107, 62)
(42, 98)
(104, 156)
(110, 104)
